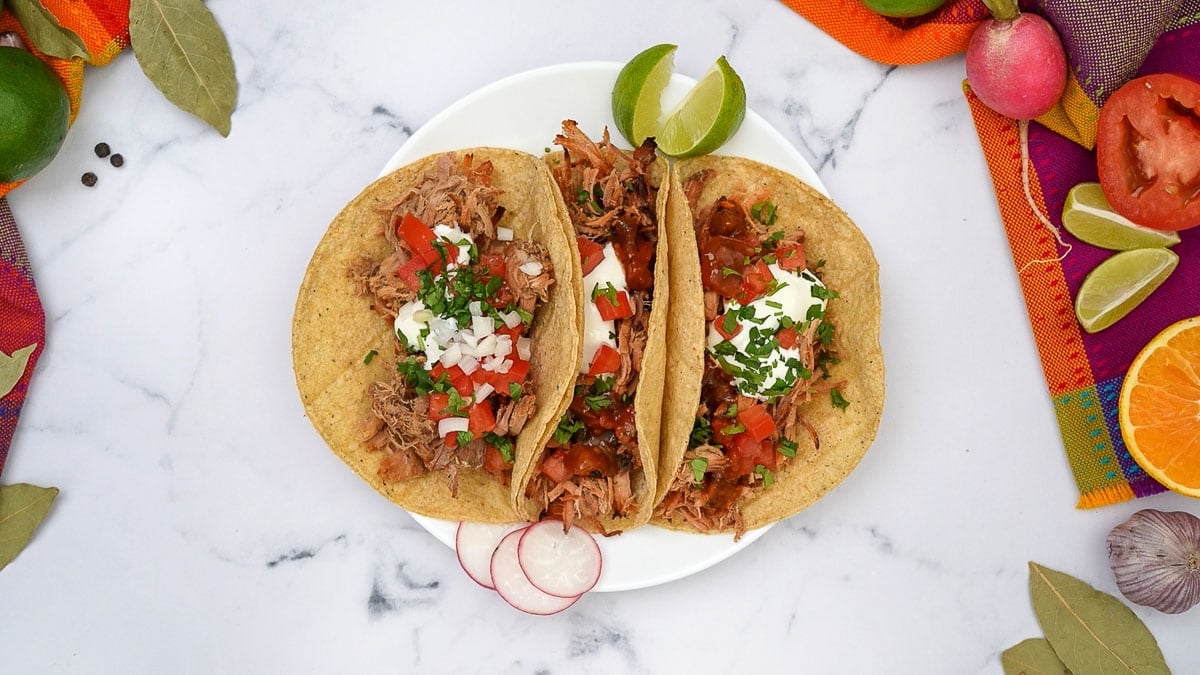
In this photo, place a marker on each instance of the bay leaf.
(45, 32)
(13, 367)
(183, 51)
(1091, 631)
(1033, 656)
(22, 508)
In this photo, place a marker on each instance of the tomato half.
(1148, 151)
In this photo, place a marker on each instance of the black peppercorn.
(89, 179)
(102, 150)
(117, 160)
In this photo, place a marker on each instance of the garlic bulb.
(1155, 557)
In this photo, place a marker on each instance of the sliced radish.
(514, 587)
(474, 543)
(564, 564)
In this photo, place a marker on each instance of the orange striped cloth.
(1107, 44)
(102, 24)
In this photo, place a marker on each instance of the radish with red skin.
(474, 544)
(560, 562)
(512, 584)
(1016, 63)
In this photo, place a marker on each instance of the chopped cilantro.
(838, 400)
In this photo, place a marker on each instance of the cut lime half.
(708, 115)
(1088, 216)
(1121, 283)
(637, 93)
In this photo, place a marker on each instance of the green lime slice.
(1088, 216)
(1121, 283)
(637, 93)
(708, 115)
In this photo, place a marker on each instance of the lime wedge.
(1121, 283)
(1088, 216)
(707, 116)
(637, 93)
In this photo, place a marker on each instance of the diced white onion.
(532, 268)
(468, 364)
(524, 346)
(483, 325)
(504, 234)
(487, 346)
(512, 319)
(452, 355)
(483, 391)
(504, 345)
(452, 425)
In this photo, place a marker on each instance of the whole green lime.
(903, 8)
(34, 113)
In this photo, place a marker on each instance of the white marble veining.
(203, 527)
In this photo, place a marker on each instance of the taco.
(775, 373)
(436, 333)
(599, 466)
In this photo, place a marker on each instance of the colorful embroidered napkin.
(104, 27)
(1107, 44)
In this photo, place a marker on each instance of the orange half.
(1160, 407)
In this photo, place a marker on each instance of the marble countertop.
(204, 527)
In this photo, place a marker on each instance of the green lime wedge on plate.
(637, 93)
(1088, 216)
(708, 115)
(1121, 283)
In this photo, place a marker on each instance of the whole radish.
(1015, 62)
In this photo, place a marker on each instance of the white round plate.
(524, 112)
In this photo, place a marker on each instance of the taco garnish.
(770, 386)
(595, 467)
(461, 293)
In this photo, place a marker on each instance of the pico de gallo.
(461, 293)
(769, 350)
(591, 469)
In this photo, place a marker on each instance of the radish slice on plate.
(564, 564)
(474, 543)
(512, 584)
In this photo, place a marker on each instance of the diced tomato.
(494, 264)
(719, 324)
(1148, 151)
(554, 465)
(609, 311)
(606, 360)
(755, 280)
(790, 257)
(419, 238)
(439, 406)
(408, 272)
(493, 461)
(787, 337)
(481, 419)
(745, 453)
(757, 421)
(590, 253)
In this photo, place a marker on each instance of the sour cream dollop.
(597, 331)
(758, 371)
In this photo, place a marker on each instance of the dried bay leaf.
(1033, 656)
(183, 51)
(46, 33)
(13, 367)
(1091, 631)
(22, 508)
